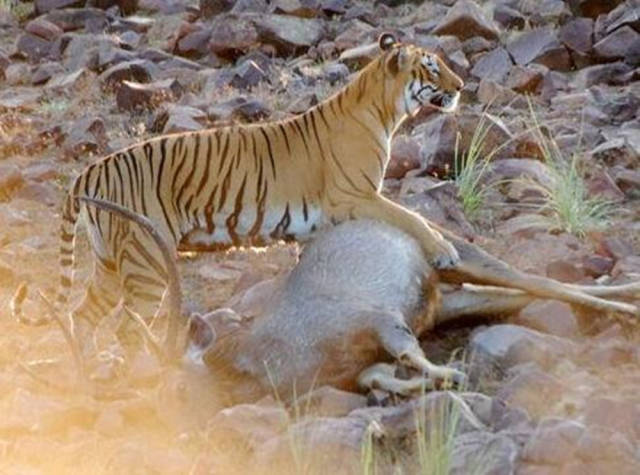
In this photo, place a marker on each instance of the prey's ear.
(386, 41)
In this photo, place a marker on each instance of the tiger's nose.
(458, 84)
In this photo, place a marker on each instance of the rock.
(69, 81)
(632, 55)
(133, 95)
(466, 20)
(46, 71)
(44, 193)
(615, 247)
(626, 266)
(596, 266)
(140, 71)
(174, 119)
(564, 270)
(19, 98)
(540, 46)
(92, 20)
(498, 453)
(239, 108)
(524, 79)
(494, 65)
(247, 75)
(210, 8)
(613, 73)
(627, 180)
(330, 402)
(554, 442)
(553, 83)
(490, 92)
(11, 180)
(405, 156)
(252, 424)
(508, 17)
(232, 35)
(577, 35)
(334, 444)
(301, 8)
(619, 414)
(43, 6)
(17, 74)
(592, 8)
(43, 29)
(548, 316)
(290, 35)
(32, 47)
(615, 45)
(506, 345)
(88, 134)
(438, 139)
(601, 184)
(193, 44)
(548, 12)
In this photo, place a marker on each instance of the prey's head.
(423, 76)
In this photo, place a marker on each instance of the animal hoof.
(446, 258)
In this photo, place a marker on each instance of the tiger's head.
(419, 76)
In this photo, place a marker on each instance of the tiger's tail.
(70, 213)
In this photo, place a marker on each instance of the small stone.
(137, 70)
(540, 46)
(44, 29)
(508, 17)
(494, 65)
(592, 8)
(564, 271)
(524, 79)
(232, 35)
(405, 156)
(466, 20)
(132, 95)
(577, 35)
(247, 75)
(32, 47)
(46, 71)
(548, 316)
(179, 119)
(615, 45)
(613, 74)
(596, 266)
(289, 35)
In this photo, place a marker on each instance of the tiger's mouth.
(444, 101)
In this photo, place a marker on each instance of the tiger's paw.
(444, 256)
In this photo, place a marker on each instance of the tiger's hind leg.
(144, 282)
(102, 294)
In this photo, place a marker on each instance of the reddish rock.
(554, 442)
(592, 8)
(466, 20)
(615, 247)
(525, 79)
(44, 29)
(548, 316)
(11, 180)
(133, 95)
(565, 271)
(232, 35)
(43, 6)
(32, 47)
(136, 70)
(330, 402)
(289, 35)
(540, 46)
(614, 74)
(615, 45)
(494, 65)
(596, 266)
(405, 156)
(508, 17)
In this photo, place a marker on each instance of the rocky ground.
(553, 392)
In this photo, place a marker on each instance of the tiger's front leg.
(440, 252)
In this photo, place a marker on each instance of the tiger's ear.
(398, 61)
(386, 41)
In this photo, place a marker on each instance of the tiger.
(253, 184)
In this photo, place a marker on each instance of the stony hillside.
(540, 165)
